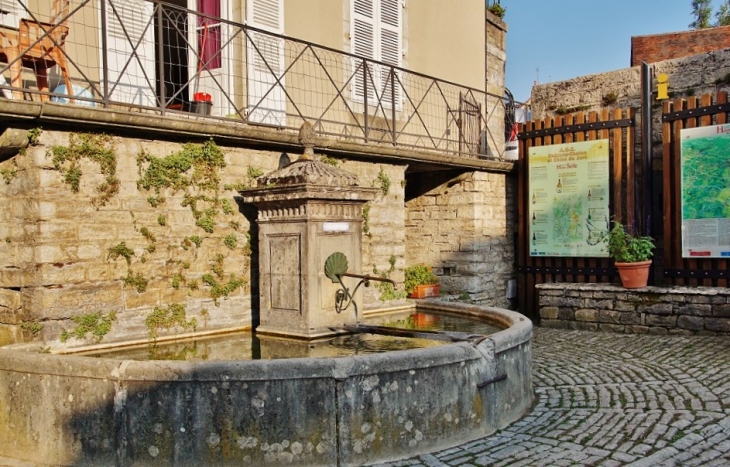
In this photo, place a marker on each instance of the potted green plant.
(421, 282)
(631, 254)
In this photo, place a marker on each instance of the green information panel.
(569, 199)
(705, 172)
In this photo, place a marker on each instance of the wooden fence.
(618, 127)
(677, 115)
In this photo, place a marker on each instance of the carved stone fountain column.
(307, 210)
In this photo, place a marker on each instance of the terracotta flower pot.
(634, 275)
(424, 291)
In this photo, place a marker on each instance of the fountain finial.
(307, 136)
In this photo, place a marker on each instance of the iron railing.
(145, 55)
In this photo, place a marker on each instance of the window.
(376, 35)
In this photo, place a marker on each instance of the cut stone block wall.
(649, 310)
(464, 230)
(56, 249)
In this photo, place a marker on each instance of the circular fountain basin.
(354, 410)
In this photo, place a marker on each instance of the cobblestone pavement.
(614, 400)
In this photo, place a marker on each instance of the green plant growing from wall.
(96, 148)
(9, 174)
(122, 250)
(155, 201)
(247, 247)
(197, 240)
(138, 281)
(226, 207)
(366, 220)
(205, 160)
(164, 318)
(147, 234)
(98, 324)
(610, 98)
(383, 181)
(497, 10)
(33, 135)
(230, 241)
(219, 289)
(34, 327)
(387, 290)
(254, 173)
(217, 266)
(162, 220)
(329, 161)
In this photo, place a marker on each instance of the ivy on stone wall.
(193, 174)
(96, 148)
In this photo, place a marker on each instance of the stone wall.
(496, 31)
(649, 310)
(464, 229)
(66, 255)
(693, 75)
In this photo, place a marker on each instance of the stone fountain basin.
(74, 410)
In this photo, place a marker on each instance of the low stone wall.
(649, 310)
(66, 410)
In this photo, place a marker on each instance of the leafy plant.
(33, 135)
(609, 99)
(366, 220)
(96, 323)
(121, 250)
(162, 220)
(387, 290)
(384, 181)
(497, 9)
(420, 274)
(9, 174)
(254, 172)
(230, 241)
(93, 147)
(165, 318)
(34, 327)
(155, 201)
(137, 280)
(173, 170)
(197, 240)
(625, 247)
(218, 289)
(329, 161)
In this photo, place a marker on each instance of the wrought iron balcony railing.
(151, 56)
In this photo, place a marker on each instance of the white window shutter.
(267, 101)
(390, 48)
(363, 44)
(266, 14)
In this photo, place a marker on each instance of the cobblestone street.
(614, 400)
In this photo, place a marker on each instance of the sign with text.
(705, 174)
(569, 194)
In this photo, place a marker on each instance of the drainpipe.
(648, 176)
(647, 172)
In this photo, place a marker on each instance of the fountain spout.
(335, 268)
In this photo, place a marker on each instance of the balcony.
(147, 58)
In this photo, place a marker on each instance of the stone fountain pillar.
(307, 210)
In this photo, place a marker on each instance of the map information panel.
(705, 174)
(569, 194)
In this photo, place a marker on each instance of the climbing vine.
(96, 148)
(387, 290)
